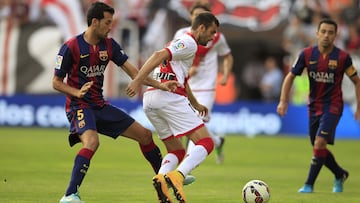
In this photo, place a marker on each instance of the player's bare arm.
(355, 79)
(59, 85)
(192, 71)
(285, 94)
(155, 59)
(227, 67)
(132, 71)
(203, 110)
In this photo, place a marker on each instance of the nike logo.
(312, 62)
(324, 133)
(84, 55)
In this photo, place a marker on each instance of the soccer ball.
(256, 191)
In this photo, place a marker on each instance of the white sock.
(190, 146)
(169, 163)
(216, 140)
(193, 159)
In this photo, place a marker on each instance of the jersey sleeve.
(119, 57)
(64, 61)
(223, 48)
(182, 49)
(350, 70)
(299, 65)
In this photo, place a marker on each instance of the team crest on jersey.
(333, 64)
(59, 60)
(103, 55)
(81, 123)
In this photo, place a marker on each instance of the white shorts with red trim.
(171, 114)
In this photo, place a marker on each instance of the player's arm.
(192, 71)
(142, 77)
(228, 62)
(132, 71)
(285, 94)
(59, 85)
(203, 111)
(352, 73)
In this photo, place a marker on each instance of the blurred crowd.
(69, 15)
(262, 77)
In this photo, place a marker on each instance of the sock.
(331, 164)
(316, 164)
(152, 153)
(81, 165)
(190, 146)
(171, 160)
(216, 140)
(197, 155)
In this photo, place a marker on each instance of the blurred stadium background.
(32, 31)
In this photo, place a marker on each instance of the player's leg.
(147, 145)
(340, 174)
(316, 163)
(83, 127)
(115, 122)
(206, 98)
(175, 153)
(203, 147)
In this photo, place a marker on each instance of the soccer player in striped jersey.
(82, 61)
(326, 65)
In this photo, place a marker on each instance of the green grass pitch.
(35, 166)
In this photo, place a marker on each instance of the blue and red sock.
(81, 165)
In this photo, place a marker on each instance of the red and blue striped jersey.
(81, 62)
(325, 74)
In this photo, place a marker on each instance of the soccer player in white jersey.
(203, 73)
(173, 113)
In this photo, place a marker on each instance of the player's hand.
(203, 111)
(223, 81)
(282, 108)
(170, 86)
(84, 89)
(132, 88)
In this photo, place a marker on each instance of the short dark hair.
(206, 19)
(97, 10)
(328, 21)
(205, 7)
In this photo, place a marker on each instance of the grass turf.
(35, 166)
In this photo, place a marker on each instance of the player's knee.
(145, 138)
(207, 143)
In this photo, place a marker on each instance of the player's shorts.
(324, 126)
(108, 120)
(206, 98)
(171, 114)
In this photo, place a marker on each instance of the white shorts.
(170, 113)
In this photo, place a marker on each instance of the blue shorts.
(109, 120)
(324, 126)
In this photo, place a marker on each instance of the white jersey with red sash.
(182, 53)
(206, 61)
(170, 113)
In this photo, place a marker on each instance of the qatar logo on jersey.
(93, 71)
(323, 77)
(103, 55)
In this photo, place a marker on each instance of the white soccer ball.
(256, 191)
